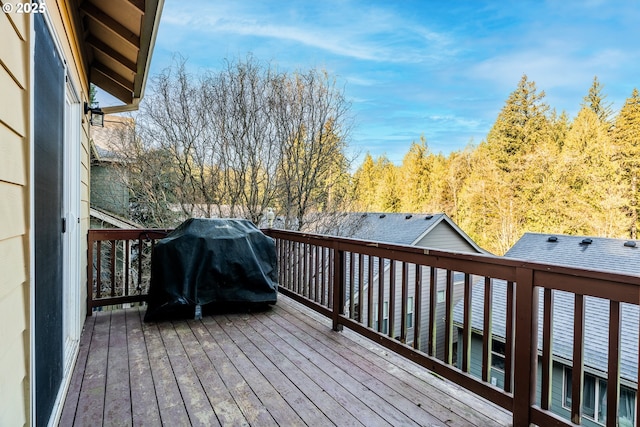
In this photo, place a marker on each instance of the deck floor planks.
(445, 398)
(280, 367)
(172, 408)
(144, 403)
(71, 404)
(332, 366)
(91, 400)
(193, 395)
(252, 408)
(334, 380)
(396, 394)
(300, 377)
(241, 334)
(117, 401)
(277, 406)
(221, 401)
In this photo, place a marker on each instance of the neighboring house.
(47, 61)
(435, 231)
(104, 219)
(109, 191)
(595, 253)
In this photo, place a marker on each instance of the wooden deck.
(284, 366)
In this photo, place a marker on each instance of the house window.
(385, 317)
(497, 355)
(409, 312)
(440, 296)
(375, 316)
(594, 399)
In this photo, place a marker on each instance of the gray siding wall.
(425, 298)
(444, 237)
(557, 376)
(108, 191)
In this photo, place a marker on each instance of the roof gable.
(395, 228)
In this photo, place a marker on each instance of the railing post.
(338, 288)
(526, 347)
(89, 273)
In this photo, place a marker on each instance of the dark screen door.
(48, 172)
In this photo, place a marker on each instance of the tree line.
(245, 138)
(536, 171)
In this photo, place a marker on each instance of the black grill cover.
(206, 261)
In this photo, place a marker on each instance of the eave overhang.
(117, 38)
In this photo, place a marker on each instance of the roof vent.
(382, 215)
(586, 241)
(428, 217)
(552, 239)
(630, 244)
(408, 216)
(364, 215)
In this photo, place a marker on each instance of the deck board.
(144, 404)
(284, 366)
(301, 405)
(117, 402)
(448, 402)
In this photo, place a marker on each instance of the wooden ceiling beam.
(108, 85)
(111, 74)
(112, 53)
(110, 24)
(138, 4)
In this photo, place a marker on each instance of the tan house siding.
(14, 220)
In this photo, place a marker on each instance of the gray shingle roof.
(110, 141)
(596, 327)
(602, 254)
(402, 229)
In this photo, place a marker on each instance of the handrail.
(350, 280)
(128, 254)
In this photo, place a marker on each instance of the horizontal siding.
(15, 202)
(13, 157)
(445, 238)
(12, 97)
(18, 22)
(12, 264)
(14, 214)
(12, 307)
(11, 48)
(14, 358)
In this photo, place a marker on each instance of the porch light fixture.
(97, 116)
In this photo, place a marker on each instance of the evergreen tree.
(626, 137)
(595, 101)
(587, 181)
(520, 127)
(365, 181)
(415, 177)
(387, 195)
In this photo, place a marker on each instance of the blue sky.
(442, 69)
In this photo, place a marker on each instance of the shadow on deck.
(284, 366)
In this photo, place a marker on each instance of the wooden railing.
(365, 285)
(421, 303)
(118, 265)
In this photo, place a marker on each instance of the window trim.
(410, 309)
(597, 395)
